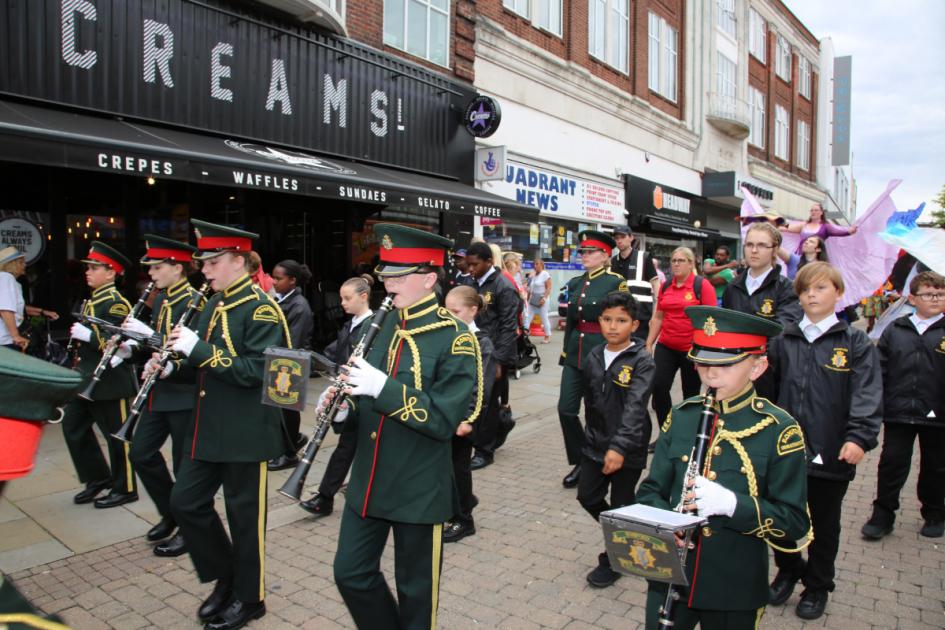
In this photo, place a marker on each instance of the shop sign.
(483, 116)
(490, 163)
(727, 187)
(23, 235)
(650, 199)
(561, 195)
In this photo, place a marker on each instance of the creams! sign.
(23, 235)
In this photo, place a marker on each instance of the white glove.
(116, 360)
(80, 332)
(125, 350)
(342, 411)
(137, 326)
(365, 379)
(186, 340)
(713, 499)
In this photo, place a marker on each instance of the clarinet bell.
(86, 394)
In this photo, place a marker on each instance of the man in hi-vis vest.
(636, 265)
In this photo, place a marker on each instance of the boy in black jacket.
(617, 381)
(912, 354)
(829, 379)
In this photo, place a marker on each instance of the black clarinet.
(292, 487)
(112, 346)
(73, 348)
(697, 457)
(125, 431)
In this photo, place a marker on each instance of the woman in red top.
(671, 331)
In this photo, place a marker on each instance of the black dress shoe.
(283, 462)
(812, 604)
(114, 499)
(933, 529)
(236, 615)
(481, 460)
(603, 576)
(162, 530)
(454, 531)
(571, 479)
(877, 527)
(783, 585)
(319, 505)
(92, 490)
(218, 600)
(171, 548)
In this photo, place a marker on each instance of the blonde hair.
(511, 257)
(812, 272)
(496, 254)
(688, 253)
(770, 230)
(360, 284)
(467, 296)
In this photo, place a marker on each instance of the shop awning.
(40, 135)
(680, 229)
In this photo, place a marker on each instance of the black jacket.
(298, 316)
(913, 373)
(615, 402)
(340, 349)
(499, 320)
(833, 388)
(643, 293)
(775, 299)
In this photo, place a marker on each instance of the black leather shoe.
(571, 479)
(171, 548)
(877, 527)
(162, 530)
(603, 576)
(481, 460)
(812, 604)
(236, 615)
(283, 462)
(933, 529)
(454, 531)
(504, 429)
(218, 600)
(319, 505)
(114, 499)
(783, 585)
(92, 490)
(301, 442)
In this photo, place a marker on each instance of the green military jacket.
(402, 467)
(757, 452)
(172, 394)
(230, 424)
(582, 330)
(119, 382)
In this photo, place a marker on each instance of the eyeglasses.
(930, 297)
(757, 246)
(678, 261)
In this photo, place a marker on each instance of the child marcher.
(617, 381)
(828, 377)
(912, 354)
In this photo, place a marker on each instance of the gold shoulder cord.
(478, 408)
(407, 336)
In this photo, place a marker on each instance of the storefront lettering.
(489, 211)
(362, 194)
(259, 180)
(544, 187)
(134, 165)
(433, 204)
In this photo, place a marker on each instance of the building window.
(420, 27)
(662, 57)
(781, 133)
(757, 35)
(782, 59)
(544, 14)
(803, 77)
(608, 36)
(517, 6)
(338, 6)
(726, 17)
(725, 78)
(756, 108)
(803, 145)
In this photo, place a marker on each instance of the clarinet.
(111, 346)
(125, 431)
(292, 487)
(73, 348)
(696, 467)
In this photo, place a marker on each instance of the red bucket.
(20, 439)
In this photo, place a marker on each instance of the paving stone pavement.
(523, 569)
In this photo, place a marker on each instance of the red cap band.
(180, 255)
(414, 255)
(239, 243)
(723, 340)
(105, 260)
(598, 244)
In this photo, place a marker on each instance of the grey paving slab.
(32, 555)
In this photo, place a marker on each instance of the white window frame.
(757, 36)
(547, 15)
(430, 7)
(662, 67)
(606, 16)
(782, 58)
(725, 19)
(782, 134)
(519, 7)
(804, 77)
(803, 145)
(756, 108)
(726, 71)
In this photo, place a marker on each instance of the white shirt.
(486, 276)
(921, 325)
(11, 299)
(752, 283)
(610, 356)
(282, 298)
(812, 331)
(360, 318)
(472, 327)
(537, 286)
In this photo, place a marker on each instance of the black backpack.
(696, 288)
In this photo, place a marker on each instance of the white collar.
(283, 298)
(360, 318)
(822, 326)
(483, 279)
(472, 327)
(924, 323)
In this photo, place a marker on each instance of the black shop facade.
(119, 119)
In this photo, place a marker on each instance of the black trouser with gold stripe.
(86, 454)
(244, 493)
(149, 437)
(418, 560)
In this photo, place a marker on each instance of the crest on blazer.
(464, 344)
(839, 360)
(767, 308)
(487, 298)
(626, 373)
(790, 440)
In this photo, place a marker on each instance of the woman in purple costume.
(816, 225)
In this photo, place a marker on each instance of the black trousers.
(291, 423)
(594, 484)
(418, 561)
(687, 618)
(668, 362)
(462, 450)
(149, 436)
(244, 494)
(87, 457)
(487, 424)
(825, 501)
(570, 394)
(895, 462)
(338, 464)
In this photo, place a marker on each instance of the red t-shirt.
(676, 332)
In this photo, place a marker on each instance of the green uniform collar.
(596, 273)
(108, 286)
(177, 287)
(238, 285)
(420, 308)
(740, 400)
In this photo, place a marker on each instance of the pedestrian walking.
(539, 294)
(638, 267)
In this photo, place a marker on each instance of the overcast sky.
(898, 100)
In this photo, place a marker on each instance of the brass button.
(721, 423)
(759, 404)
(742, 470)
(202, 393)
(716, 450)
(685, 458)
(582, 334)
(712, 475)
(373, 435)
(706, 531)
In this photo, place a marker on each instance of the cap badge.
(386, 243)
(710, 328)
